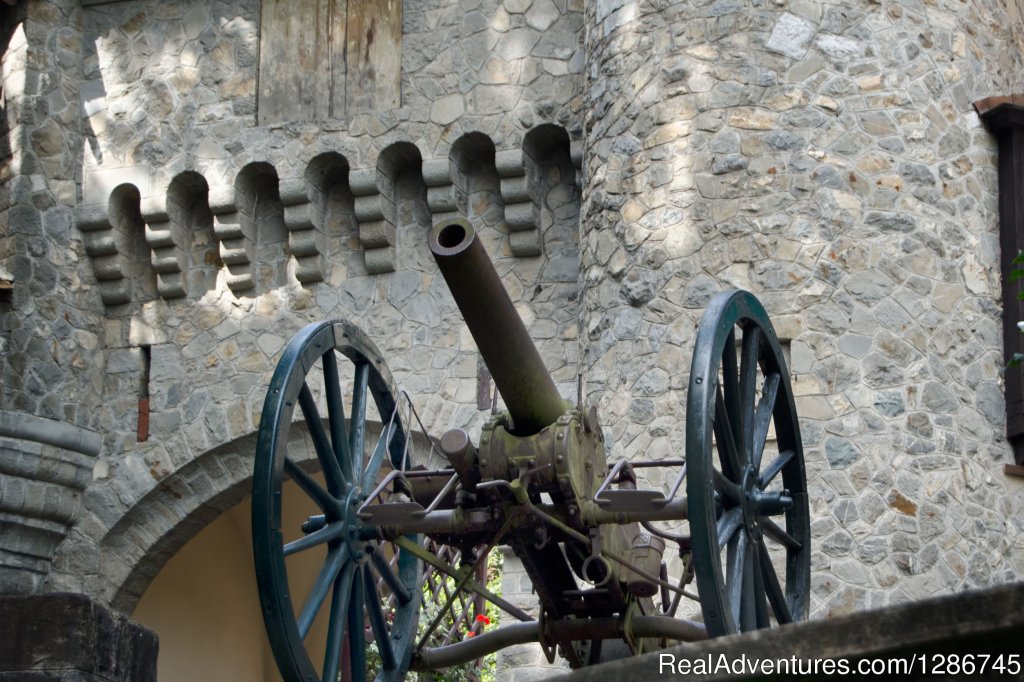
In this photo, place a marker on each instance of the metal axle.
(576, 629)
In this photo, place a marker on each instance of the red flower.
(470, 634)
(481, 618)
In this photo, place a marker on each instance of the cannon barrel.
(512, 359)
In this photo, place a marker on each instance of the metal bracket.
(633, 500)
(403, 511)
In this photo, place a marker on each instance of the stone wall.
(52, 328)
(825, 156)
(51, 331)
(202, 241)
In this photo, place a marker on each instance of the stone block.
(64, 636)
(100, 183)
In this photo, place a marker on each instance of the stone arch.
(188, 209)
(150, 530)
(333, 203)
(262, 231)
(551, 177)
(114, 237)
(476, 181)
(133, 551)
(125, 214)
(404, 200)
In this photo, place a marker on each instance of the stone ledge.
(68, 636)
(50, 432)
(981, 621)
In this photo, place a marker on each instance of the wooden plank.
(337, 31)
(291, 60)
(373, 56)
(328, 58)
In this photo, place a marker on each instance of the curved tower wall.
(827, 157)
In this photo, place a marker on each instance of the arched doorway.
(204, 605)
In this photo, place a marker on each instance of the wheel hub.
(757, 503)
(353, 538)
(750, 504)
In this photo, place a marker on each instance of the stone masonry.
(827, 157)
(623, 161)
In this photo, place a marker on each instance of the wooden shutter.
(322, 59)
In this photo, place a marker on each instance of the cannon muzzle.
(519, 373)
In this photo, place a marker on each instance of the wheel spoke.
(356, 629)
(328, 572)
(394, 584)
(728, 524)
(377, 622)
(323, 499)
(731, 392)
(336, 414)
(357, 424)
(324, 451)
(379, 450)
(331, 531)
(763, 417)
(760, 604)
(336, 625)
(732, 464)
(772, 530)
(748, 386)
(773, 469)
(772, 587)
(748, 596)
(727, 489)
(735, 560)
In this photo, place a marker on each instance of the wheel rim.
(747, 501)
(368, 586)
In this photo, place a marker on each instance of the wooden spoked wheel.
(365, 593)
(746, 484)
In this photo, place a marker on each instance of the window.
(1004, 117)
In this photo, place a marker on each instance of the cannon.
(394, 518)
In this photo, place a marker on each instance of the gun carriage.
(594, 541)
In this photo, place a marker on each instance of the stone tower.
(183, 188)
(828, 158)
